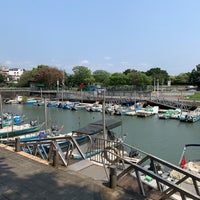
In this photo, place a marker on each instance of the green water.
(162, 138)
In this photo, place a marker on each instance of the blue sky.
(112, 35)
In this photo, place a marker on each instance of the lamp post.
(157, 88)
(57, 88)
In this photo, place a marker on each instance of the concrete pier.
(23, 176)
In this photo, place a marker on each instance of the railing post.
(113, 176)
(17, 144)
(55, 158)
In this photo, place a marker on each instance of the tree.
(49, 76)
(181, 79)
(195, 76)
(118, 79)
(138, 79)
(2, 78)
(158, 74)
(25, 79)
(127, 71)
(81, 73)
(101, 77)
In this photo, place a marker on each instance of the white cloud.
(143, 66)
(124, 63)
(107, 58)
(7, 62)
(84, 62)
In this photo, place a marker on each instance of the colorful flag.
(183, 162)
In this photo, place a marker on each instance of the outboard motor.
(111, 135)
(133, 153)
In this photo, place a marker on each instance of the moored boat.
(54, 131)
(147, 111)
(15, 130)
(170, 114)
(191, 116)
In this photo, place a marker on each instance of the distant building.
(11, 74)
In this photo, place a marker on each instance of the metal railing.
(114, 153)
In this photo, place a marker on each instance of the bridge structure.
(162, 99)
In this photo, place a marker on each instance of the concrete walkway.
(23, 176)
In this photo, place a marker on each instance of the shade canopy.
(96, 127)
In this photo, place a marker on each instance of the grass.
(195, 96)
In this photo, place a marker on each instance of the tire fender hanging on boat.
(111, 157)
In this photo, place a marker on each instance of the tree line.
(52, 77)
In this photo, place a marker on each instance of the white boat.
(170, 114)
(191, 116)
(96, 107)
(147, 111)
(80, 106)
(16, 130)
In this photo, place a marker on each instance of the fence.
(144, 167)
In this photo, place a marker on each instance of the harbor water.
(162, 138)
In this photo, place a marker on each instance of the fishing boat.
(52, 104)
(16, 130)
(30, 101)
(170, 114)
(147, 111)
(193, 165)
(191, 116)
(54, 131)
(82, 136)
(96, 107)
(190, 165)
(8, 119)
(94, 129)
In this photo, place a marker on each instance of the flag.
(183, 162)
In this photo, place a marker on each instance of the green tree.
(138, 79)
(158, 74)
(181, 79)
(25, 78)
(70, 81)
(81, 74)
(127, 71)
(195, 76)
(101, 77)
(2, 78)
(118, 79)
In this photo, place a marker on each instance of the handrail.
(135, 168)
(172, 187)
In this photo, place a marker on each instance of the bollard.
(55, 158)
(17, 144)
(113, 176)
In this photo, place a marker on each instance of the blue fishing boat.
(191, 116)
(54, 131)
(94, 129)
(8, 119)
(16, 130)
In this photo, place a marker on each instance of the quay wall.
(163, 99)
(13, 93)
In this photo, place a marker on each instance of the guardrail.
(144, 167)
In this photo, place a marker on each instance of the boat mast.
(45, 113)
(103, 115)
(63, 84)
(1, 107)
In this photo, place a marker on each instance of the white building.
(15, 73)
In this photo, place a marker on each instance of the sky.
(110, 35)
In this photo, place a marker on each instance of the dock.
(107, 174)
(23, 176)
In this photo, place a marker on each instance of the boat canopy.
(96, 127)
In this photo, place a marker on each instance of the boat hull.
(16, 130)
